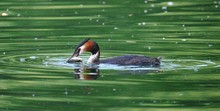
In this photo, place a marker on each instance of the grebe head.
(87, 46)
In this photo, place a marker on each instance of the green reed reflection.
(185, 33)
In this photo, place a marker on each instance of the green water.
(37, 36)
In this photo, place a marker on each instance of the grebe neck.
(94, 58)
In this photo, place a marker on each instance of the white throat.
(94, 58)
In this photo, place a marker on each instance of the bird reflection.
(86, 73)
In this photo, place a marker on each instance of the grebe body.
(90, 46)
(133, 60)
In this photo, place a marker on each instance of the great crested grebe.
(90, 46)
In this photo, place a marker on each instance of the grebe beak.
(75, 54)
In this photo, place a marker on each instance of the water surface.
(37, 37)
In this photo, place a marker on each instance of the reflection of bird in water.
(90, 46)
(86, 73)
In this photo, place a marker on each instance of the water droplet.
(35, 38)
(189, 34)
(180, 94)
(114, 89)
(22, 60)
(143, 23)
(207, 104)
(66, 92)
(103, 23)
(145, 11)
(131, 41)
(216, 6)
(4, 53)
(18, 15)
(4, 14)
(164, 8)
(130, 15)
(152, 5)
(164, 38)
(184, 40)
(103, 2)
(116, 28)
(149, 48)
(170, 3)
(33, 57)
(210, 45)
(145, 1)
(33, 95)
(183, 25)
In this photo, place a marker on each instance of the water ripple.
(166, 65)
